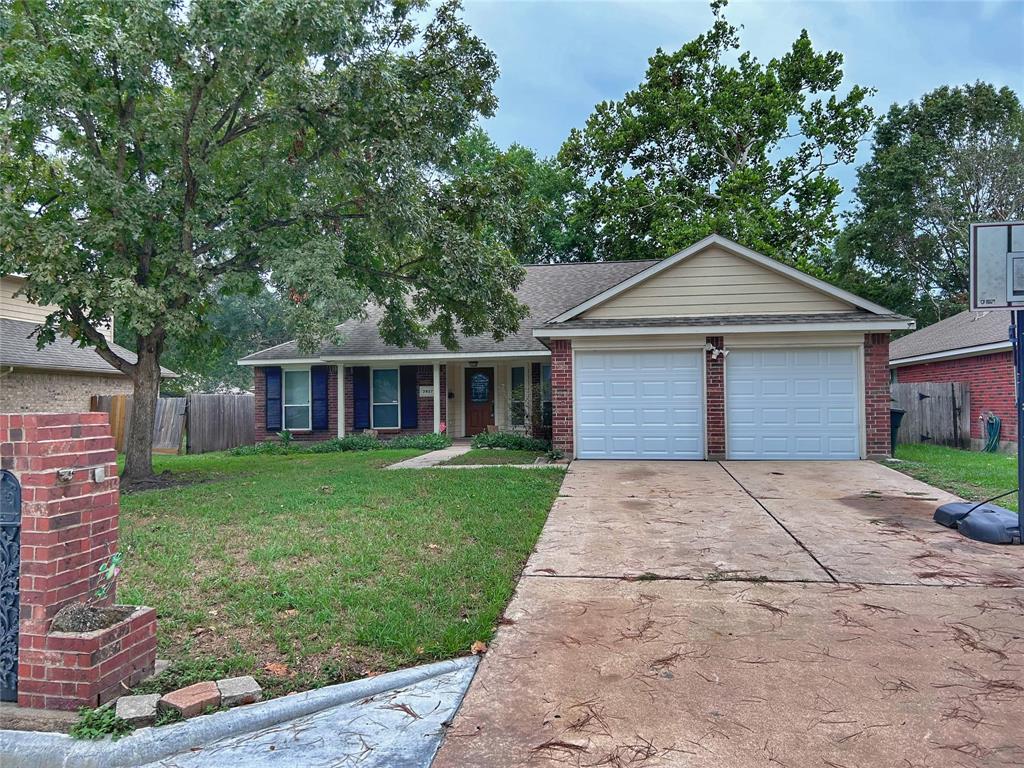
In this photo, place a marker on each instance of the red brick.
(191, 701)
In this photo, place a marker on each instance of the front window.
(385, 398)
(545, 395)
(517, 401)
(296, 400)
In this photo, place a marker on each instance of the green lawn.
(325, 566)
(973, 475)
(496, 456)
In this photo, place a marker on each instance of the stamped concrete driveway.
(752, 614)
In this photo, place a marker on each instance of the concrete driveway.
(752, 614)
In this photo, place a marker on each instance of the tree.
(155, 149)
(235, 326)
(704, 145)
(551, 232)
(938, 164)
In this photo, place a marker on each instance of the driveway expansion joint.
(793, 536)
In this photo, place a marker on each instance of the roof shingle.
(18, 349)
(968, 329)
(548, 290)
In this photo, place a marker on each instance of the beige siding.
(716, 282)
(19, 308)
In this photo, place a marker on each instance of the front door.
(479, 400)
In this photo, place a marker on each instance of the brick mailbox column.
(66, 466)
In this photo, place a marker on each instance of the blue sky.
(559, 59)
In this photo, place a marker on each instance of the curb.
(147, 745)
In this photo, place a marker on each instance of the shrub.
(429, 442)
(511, 441)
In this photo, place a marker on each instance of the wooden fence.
(937, 413)
(220, 422)
(195, 423)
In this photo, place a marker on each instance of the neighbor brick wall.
(29, 391)
(561, 396)
(991, 381)
(68, 528)
(877, 397)
(260, 390)
(714, 387)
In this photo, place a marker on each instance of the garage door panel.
(793, 404)
(644, 405)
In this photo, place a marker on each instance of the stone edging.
(147, 745)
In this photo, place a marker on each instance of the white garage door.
(639, 405)
(792, 404)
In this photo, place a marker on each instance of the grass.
(972, 475)
(496, 456)
(309, 569)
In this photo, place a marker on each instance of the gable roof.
(960, 335)
(547, 289)
(737, 250)
(18, 349)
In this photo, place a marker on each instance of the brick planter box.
(87, 669)
(66, 467)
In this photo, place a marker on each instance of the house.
(61, 377)
(971, 347)
(717, 351)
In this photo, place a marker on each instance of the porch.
(461, 395)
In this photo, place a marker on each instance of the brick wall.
(990, 378)
(69, 527)
(714, 387)
(30, 391)
(877, 396)
(561, 396)
(316, 435)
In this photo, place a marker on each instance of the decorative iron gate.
(10, 565)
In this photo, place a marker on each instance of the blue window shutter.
(361, 397)
(410, 408)
(318, 377)
(272, 398)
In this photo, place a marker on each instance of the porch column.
(437, 396)
(341, 401)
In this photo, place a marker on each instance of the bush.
(429, 442)
(512, 441)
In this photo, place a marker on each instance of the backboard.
(997, 265)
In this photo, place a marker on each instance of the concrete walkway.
(433, 458)
(751, 614)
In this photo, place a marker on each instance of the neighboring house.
(622, 360)
(972, 347)
(61, 377)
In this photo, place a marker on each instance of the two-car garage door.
(800, 403)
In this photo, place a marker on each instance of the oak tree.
(158, 155)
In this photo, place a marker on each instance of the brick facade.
(877, 396)
(316, 435)
(69, 526)
(25, 390)
(714, 388)
(424, 405)
(990, 378)
(561, 396)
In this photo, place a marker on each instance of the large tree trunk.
(138, 451)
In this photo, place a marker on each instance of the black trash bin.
(895, 419)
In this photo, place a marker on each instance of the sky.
(560, 58)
